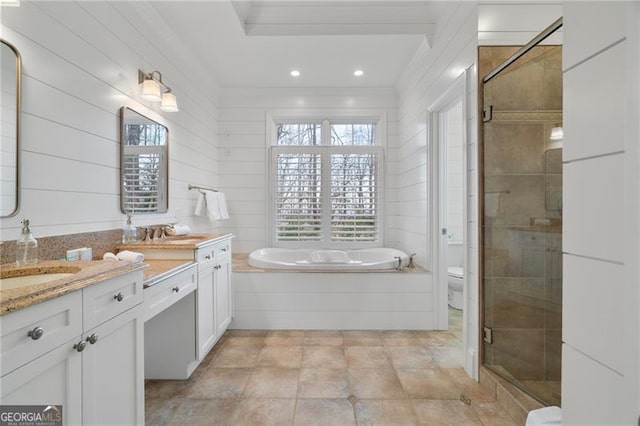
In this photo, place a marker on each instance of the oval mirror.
(10, 89)
(144, 164)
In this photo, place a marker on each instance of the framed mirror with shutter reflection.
(10, 100)
(144, 164)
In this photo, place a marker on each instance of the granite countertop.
(85, 273)
(161, 269)
(191, 241)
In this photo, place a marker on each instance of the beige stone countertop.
(181, 242)
(85, 273)
(161, 269)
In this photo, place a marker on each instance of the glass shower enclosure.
(522, 217)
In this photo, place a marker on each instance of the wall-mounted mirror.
(144, 164)
(10, 86)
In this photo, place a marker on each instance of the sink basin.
(35, 275)
(15, 282)
(183, 241)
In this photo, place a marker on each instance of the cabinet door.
(52, 379)
(206, 315)
(113, 371)
(223, 295)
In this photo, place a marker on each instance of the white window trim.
(327, 117)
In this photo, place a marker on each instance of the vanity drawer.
(111, 297)
(160, 296)
(206, 256)
(34, 331)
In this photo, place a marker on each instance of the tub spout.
(411, 264)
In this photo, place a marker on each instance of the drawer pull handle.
(176, 289)
(80, 346)
(36, 333)
(92, 339)
(224, 249)
(216, 267)
(119, 297)
(208, 257)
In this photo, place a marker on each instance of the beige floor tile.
(362, 338)
(402, 341)
(379, 383)
(427, 383)
(443, 412)
(236, 357)
(310, 412)
(273, 383)
(166, 389)
(385, 412)
(285, 338)
(448, 357)
(205, 411)
(244, 341)
(220, 383)
(323, 383)
(246, 333)
(367, 357)
(323, 338)
(411, 357)
(491, 414)
(323, 357)
(160, 411)
(280, 356)
(252, 411)
(469, 387)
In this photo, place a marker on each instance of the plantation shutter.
(298, 196)
(143, 172)
(354, 200)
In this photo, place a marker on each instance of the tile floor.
(257, 377)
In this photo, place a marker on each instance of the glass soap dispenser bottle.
(129, 232)
(26, 245)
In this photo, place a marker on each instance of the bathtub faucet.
(411, 264)
(399, 267)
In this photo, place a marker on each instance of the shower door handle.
(444, 231)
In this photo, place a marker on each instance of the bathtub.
(327, 260)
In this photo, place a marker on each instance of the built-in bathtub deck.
(338, 300)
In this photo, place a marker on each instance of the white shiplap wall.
(80, 64)
(600, 356)
(243, 155)
(429, 76)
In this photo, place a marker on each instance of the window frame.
(325, 149)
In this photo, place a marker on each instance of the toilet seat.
(456, 271)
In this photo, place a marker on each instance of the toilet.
(455, 279)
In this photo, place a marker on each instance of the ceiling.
(258, 43)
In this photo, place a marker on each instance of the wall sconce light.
(152, 90)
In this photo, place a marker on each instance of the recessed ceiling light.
(358, 73)
(295, 73)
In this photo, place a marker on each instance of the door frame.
(457, 92)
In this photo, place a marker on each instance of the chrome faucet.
(411, 264)
(399, 267)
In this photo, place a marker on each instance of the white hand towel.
(130, 256)
(545, 416)
(222, 206)
(110, 256)
(217, 206)
(178, 229)
(201, 205)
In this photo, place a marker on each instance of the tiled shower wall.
(523, 219)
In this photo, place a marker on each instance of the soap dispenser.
(26, 246)
(129, 232)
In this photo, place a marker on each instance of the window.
(327, 184)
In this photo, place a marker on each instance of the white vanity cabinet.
(96, 374)
(215, 303)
